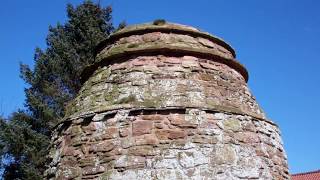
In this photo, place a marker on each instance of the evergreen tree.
(54, 81)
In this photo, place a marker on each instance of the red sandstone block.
(142, 151)
(147, 139)
(247, 137)
(159, 125)
(249, 127)
(151, 37)
(90, 170)
(118, 66)
(162, 134)
(124, 132)
(140, 127)
(104, 146)
(205, 139)
(261, 152)
(207, 43)
(209, 66)
(114, 152)
(66, 140)
(68, 151)
(166, 134)
(179, 120)
(159, 64)
(190, 62)
(205, 77)
(209, 124)
(173, 60)
(177, 134)
(139, 63)
(176, 119)
(110, 133)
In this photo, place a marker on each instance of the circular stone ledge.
(108, 111)
(166, 28)
(107, 58)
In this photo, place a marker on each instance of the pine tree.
(54, 81)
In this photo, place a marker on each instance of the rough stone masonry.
(165, 101)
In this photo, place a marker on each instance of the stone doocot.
(165, 101)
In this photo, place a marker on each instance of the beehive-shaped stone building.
(166, 101)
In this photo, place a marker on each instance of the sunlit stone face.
(166, 102)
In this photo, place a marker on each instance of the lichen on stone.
(168, 103)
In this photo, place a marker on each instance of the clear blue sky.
(277, 40)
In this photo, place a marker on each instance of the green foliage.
(22, 139)
(159, 22)
(122, 25)
(54, 80)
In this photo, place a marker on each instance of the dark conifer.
(54, 81)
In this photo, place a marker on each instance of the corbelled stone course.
(165, 101)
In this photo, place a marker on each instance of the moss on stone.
(111, 96)
(149, 103)
(132, 45)
(70, 108)
(159, 22)
(152, 102)
(106, 175)
(129, 99)
(106, 73)
(232, 124)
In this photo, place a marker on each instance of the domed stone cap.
(163, 37)
(168, 28)
(163, 66)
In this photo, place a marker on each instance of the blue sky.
(277, 40)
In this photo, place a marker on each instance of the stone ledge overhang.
(112, 54)
(113, 110)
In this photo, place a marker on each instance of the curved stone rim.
(217, 108)
(139, 29)
(160, 50)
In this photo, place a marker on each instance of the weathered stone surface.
(103, 146)
(141, 127)
(69, 172)
(110, 133)
(224, 155)
(130, 162)
(222, 151)
(124, 132)
(166, 101)
(91, 170)
(191, 158)
(180, 121)
(232, 124)
(148, 139)
(247, 137)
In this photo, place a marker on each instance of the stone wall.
(169, 144)
(165, 81)
(166, 102)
